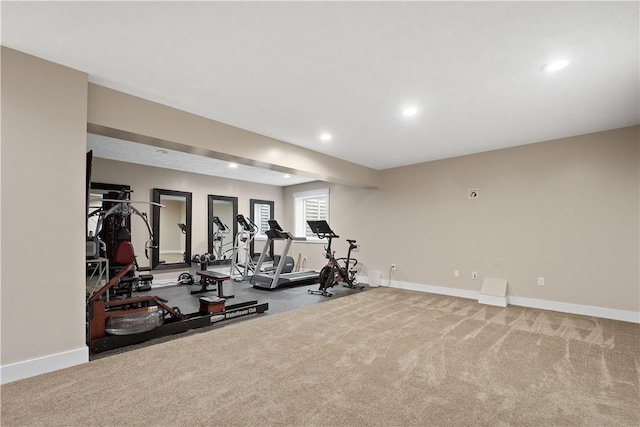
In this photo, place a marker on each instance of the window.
(262, 215)
(310, 206)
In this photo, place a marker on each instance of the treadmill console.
(273, 225)
(275, 231)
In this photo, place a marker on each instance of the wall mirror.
(222, 228)
(97, 192)
(261, 213)
(102, 232)
(171, 229)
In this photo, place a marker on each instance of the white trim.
(563, 307)
(315, 241)
(312, 193)
(42, 365)
(440, 290)
(586, 310)
(492, 300)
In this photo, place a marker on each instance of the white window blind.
(314, 208)
(310, 206)
(262, 214)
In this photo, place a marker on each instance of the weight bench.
(212, 278)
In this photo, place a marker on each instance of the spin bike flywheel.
(329, 276)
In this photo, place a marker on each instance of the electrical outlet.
(456, 273)
(540, 281)
(474, 274)
(393, 267)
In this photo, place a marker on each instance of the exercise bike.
(337, 269)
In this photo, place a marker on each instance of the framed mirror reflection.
(222, 227)
(261, 213)
(97, 192)
(171, 229)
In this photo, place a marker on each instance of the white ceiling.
(292, 70)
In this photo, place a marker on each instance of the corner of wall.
(42, 365)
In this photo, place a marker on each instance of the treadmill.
(274, 278)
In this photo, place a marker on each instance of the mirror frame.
(252, 209)
(211, 198)
(155, 253)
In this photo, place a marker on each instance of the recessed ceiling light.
(286, 175)
(233, 165)
(325, 137)
(555, 66)
(410, 111)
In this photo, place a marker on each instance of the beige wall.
(143, 179)
(565, 210)
(44, 114)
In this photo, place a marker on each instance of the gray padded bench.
(212, 278)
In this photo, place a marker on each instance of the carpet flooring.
(381, 357)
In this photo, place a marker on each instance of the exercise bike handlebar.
(322, 229)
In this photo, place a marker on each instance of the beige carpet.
(381, 357)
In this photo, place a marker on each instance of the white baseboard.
(586, 310)
(440, 290)
(42, 365)
(563, 307)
